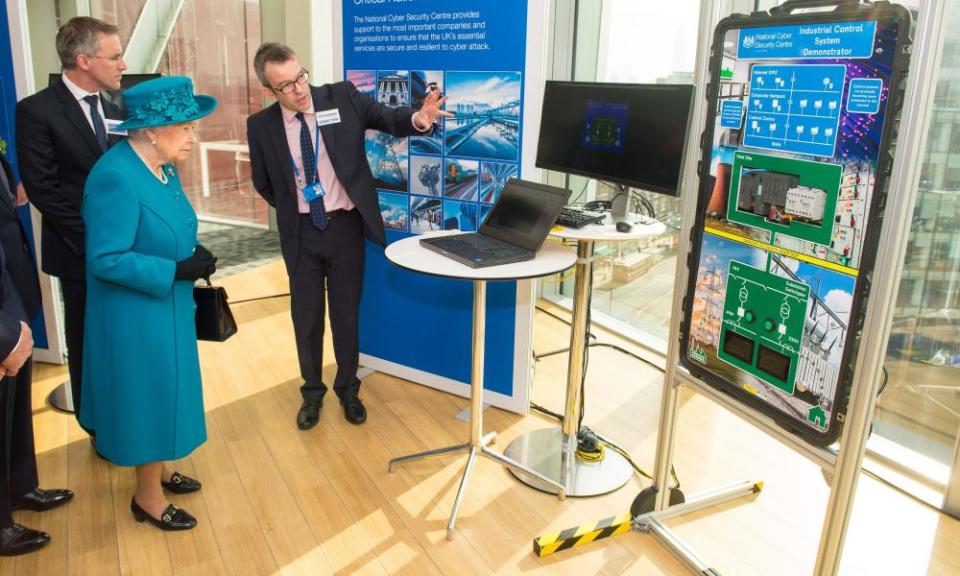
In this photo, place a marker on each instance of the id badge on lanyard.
(311, 190)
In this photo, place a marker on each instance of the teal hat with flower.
(164, 101)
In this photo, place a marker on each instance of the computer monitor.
(127, 81)
(629, 134)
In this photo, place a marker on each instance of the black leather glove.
(201, 265)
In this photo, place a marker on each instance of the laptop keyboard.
(485, 244)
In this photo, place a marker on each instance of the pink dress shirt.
(336, 197)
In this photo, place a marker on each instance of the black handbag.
(214, 319)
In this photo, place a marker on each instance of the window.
(634, 281)
(212, 42)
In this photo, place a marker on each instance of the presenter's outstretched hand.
(430, 110)
(200, 265)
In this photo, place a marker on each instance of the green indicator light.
(769, 325)
(750, 316)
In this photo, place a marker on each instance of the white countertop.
(408, 253)
(641, 227)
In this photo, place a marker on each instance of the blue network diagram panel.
(795, 108)
(789, 210)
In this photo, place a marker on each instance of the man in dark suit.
(61, 132)
(308, 161)
(19, 301)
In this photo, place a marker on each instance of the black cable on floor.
(538, 408)
(270, 297)
(583, 379)
(600, 344)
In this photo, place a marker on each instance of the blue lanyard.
(316, 158)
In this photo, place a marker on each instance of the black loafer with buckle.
(181, 484)
(173, 518)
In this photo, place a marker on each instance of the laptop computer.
(513, 231)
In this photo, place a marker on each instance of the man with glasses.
(61, 132)
(308, 161)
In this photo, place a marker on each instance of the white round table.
(552, 451)
(550, 259)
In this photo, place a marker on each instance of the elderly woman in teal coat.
(144, 397)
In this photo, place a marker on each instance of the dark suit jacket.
(272, 172)
(13, 239)
(56, 149)
(11, 311)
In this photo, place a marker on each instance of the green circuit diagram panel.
(762, 328)
(796, 198)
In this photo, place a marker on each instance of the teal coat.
(141, 373)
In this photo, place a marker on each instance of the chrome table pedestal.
(61, 398)
(478, 444)
(549, 259)
(552, 452)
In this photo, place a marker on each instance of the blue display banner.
(795, 108)
(831, 40)
(473, 51)
(731, 113)
(8, 91)
(863, 96)
(8, 101)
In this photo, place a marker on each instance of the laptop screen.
(524, 213)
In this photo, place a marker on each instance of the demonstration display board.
(796, 154)
(415, 326)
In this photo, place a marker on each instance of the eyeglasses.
(114, 58)
(288, 87)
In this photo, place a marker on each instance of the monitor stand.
(620, 204)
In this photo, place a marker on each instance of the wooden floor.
(278, 500)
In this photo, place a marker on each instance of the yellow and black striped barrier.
(582, 534)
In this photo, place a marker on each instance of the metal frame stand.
(844, 465)
(61, 398)
(478, 444)
(552, 452)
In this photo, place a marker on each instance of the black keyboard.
(576, 218)
(485, 244)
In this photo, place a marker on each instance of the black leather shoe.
(309, 414)
(16, 540)
(39, 499)
(173, 518)
(180, 484)
(354, 411)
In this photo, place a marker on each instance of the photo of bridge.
(486, 123)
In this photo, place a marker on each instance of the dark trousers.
(17, 457)
(330, 264)
(74, 306)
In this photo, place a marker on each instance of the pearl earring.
(154, 142)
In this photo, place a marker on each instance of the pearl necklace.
(159, 174)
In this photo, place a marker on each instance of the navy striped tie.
(318, 212)
(99, 129)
